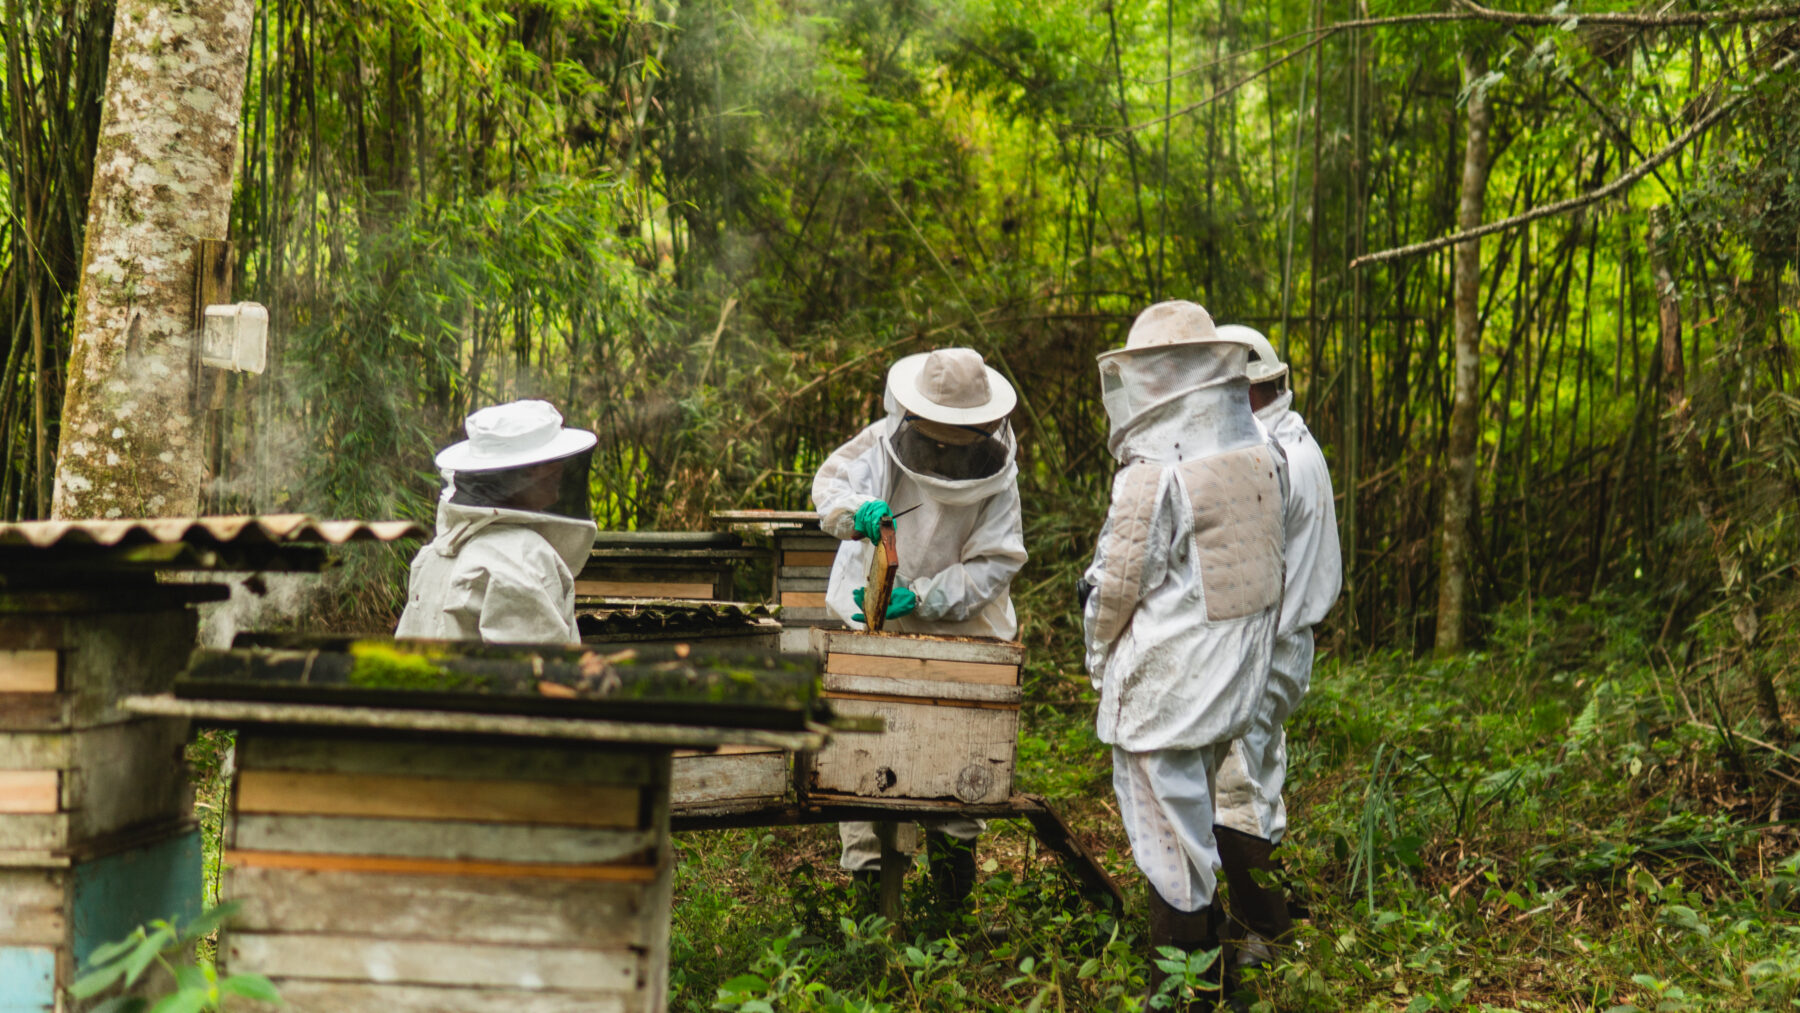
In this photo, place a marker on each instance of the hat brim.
(1122, 353)
(903, 384)
(567, 443)
(1274, 374)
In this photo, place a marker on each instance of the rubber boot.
(952, 869)
(1189, 931)
(1259, 913)
(1259, 923)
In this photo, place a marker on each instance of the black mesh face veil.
(983, 455)
(554, 487)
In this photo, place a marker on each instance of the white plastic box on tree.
(236, 337)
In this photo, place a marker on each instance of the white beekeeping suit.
(512, 532)
(1186, 594)
(943, 463)
(1251, 811)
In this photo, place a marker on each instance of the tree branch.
(1642, 169)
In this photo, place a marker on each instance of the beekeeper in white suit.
(1252, 817)
(513, 529)
(1182, 598)
(942, 464)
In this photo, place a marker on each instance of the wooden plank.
(929, 701)
(884, 566)
(32, 631)
(792, 573)
(28, 979)
(495, 842)
(396, 866)
(27, 671)
(928, 752)
(807, 614)
(916, 645)
(35, 832)
(819, 584)
(416, 962)
(30, 791)
(808, 558)
(36, 750)
(927, 691)
(521, 911)
(114, 894)
(701, 779)
(34, 712)
(922, 669)
(803, 599)
(33, 907)
(126, 774)
(641, 589)
(437, 798)
(121, 654)
(299, 996)
(569, 763)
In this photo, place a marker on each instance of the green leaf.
(188, 978)
(96, 981)
(184, 1001)
(746, 983)
(211, 919)
(112, 951)
(146, 952)
(250, 986)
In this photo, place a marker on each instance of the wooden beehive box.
(678, 565)
(439, 875)
(802, 571)
(96, 814)
(952, 710)
(729, 779)
(465, 828)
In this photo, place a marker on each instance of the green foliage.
(198, 987)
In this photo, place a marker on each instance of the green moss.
(381, 666)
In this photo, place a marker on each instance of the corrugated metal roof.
(268, 529)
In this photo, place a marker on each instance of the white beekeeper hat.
(953, 386)
(1265, 365)
(514, 435)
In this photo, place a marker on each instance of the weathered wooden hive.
(670, 565)
(96, 814)
(451, 827)
(951, 707)
(802, 561)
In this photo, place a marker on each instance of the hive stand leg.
(895, 857)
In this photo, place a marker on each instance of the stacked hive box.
(446, 876)
(952, 711)
(669, 565)
(96, 829)
(803, 559)
(465, 828)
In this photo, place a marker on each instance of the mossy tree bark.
(1465, 417)
(162, 180)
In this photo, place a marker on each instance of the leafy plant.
(161, 943)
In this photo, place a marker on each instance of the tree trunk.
(162, 180)
(1465, 419)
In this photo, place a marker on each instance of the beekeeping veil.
(952, 410)
(504, 462)
(1178, 389)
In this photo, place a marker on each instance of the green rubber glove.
(901, 601)
(868, 519)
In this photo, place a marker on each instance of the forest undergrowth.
(1560, 822)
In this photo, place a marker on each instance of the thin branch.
(1643, 169)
